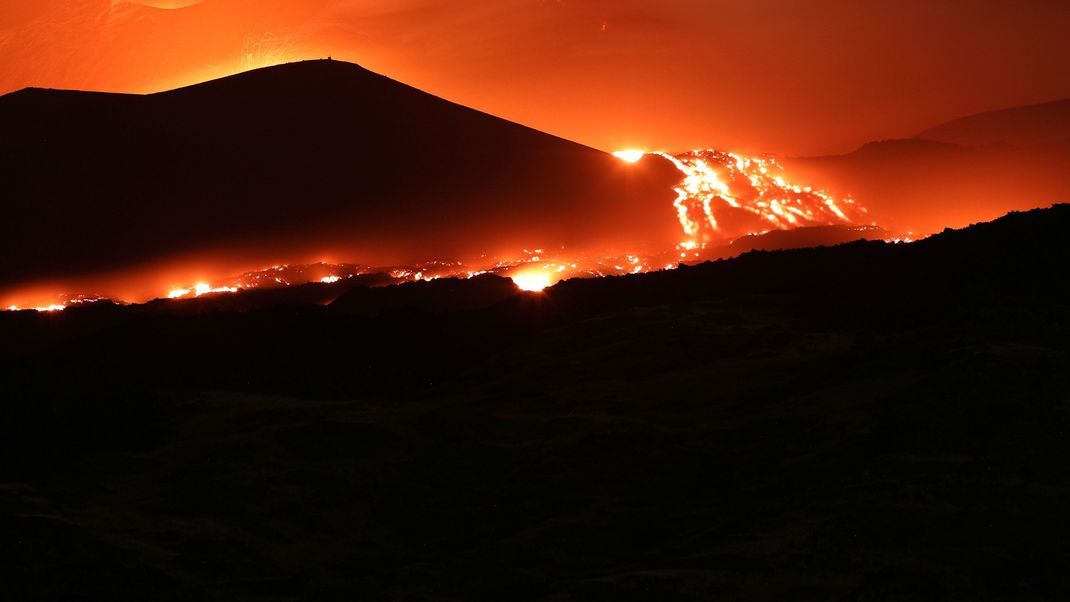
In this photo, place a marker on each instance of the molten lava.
(201, 288)
(721, 197)
(725, 195)
(533, 281)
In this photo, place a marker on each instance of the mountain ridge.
(1024, 125)
(974, 168)
(297, 159)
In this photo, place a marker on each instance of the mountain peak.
(299, 160)
(1029, 125)
(311, 74)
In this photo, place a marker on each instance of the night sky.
(785, 77)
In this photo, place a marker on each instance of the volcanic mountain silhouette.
(297, 160)
(1045, 123)
(970, 169)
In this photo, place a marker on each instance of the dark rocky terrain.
(861, 422)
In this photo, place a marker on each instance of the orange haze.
(762, 76)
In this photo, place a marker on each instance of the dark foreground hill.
(288, 163)
(863, 422)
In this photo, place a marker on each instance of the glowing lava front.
(201, 288)
(725, 195)
(532, 281)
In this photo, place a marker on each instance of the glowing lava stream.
(743, 190)
(721, 196)
(201, 288)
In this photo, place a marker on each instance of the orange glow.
(162, 4)
(553, 65)
(532, 281)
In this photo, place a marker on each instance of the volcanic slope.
(297, 161)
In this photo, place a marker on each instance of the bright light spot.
(630, 156)
(178, 292)
(531, 281)
(330, 279)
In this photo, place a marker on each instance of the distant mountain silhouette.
(294, 161)
(967, 170)
(1038, 124)
(898, 147)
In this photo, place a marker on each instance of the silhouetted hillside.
(966, 170)
(294, 161)
(1039, 124)
(894, 149)
(800, 238)
(923, 185)
(443, 295)
(312, 293)
(869, 421)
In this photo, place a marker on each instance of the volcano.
(301, 161)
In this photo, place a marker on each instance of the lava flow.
(724, 195)
(721, 197)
